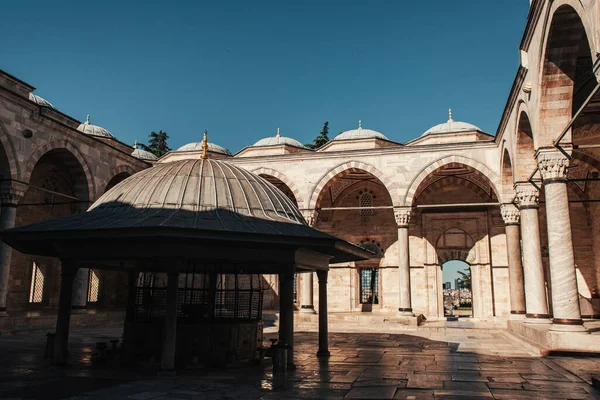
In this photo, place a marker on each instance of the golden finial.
(205, 146)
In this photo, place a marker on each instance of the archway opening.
(525, 162)
(120, 177)
(508, 192)
(279, 184)
(457, 289)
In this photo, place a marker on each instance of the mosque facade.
(520, 206)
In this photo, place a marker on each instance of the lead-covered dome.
(141, 154)
(197, 146)
(40, 101)
(278, 139)
(451, 126)
(218, 194)
(94, 130)
(360, 133)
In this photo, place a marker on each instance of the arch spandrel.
(386, 181)
(11, 157)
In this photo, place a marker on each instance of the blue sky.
(242, 69)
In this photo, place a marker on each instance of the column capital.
(553, 164)
(402, 215)
(310, 216)
(11, 192)
(510, 214)
(528, 196)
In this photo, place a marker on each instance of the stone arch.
(120, 170)
(61, 145)
(455, 244)
(524, 161)
(356, 165)
(506, 168)
(11, 165)
(291, 185)
(565, 62)
(425, 172)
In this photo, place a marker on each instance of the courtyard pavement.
(424, 364)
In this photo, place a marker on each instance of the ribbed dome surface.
(451, 126)
(213, 191)
(40, 101)
(276, 140)
(143, 154)
(197, 146)
(360, 133)
(93, 130)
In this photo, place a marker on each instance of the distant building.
(457, 283)
(447, 285)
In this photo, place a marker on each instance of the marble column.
(167, 362)
(63, 319)
(510, 215)
(80, 291)
(323, 324)
(10, 195)
(307, 297)
(402, 216)
(553, 166)
(286, 312)
(533, 269)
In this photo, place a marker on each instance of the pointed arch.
(11, 157)
(124, 170)
(290, 184)
(506, 168)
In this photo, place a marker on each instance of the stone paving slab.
(411, 365)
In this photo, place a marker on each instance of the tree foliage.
(465, 279)
(321, 139)
(157, 144)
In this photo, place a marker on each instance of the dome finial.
(87, 119)
(359, 124)
(135, 144)
(205, 145)
(450, 115)
(278, 133)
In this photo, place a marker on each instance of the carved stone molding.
(402, 216)
(510, 214)
(553, 165)
(310, 216)
(527, 195)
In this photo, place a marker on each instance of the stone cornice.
(527, 195)
(402, 216)
(553, 164)
(510, 214)
(533, 17)
(11, 192)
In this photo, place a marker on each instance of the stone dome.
(360, 133)
(451, 126)
(277, 139)
(219, 193)
(142, 154)
(94, 130)
(197, 146)
(40, 101)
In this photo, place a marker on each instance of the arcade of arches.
(521, 207)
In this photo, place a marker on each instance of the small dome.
(197, 146)
(93, 130)
(220, 194)
(277, 139)
(40, 101)
(451, 126)
(142, 154)
(360, 133)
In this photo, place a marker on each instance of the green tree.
(321, 139)
(158, 143)
(465, 280)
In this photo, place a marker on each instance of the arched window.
(369, 286)
(366, 202)
(36, 290)
(49, 187)
(93, 287)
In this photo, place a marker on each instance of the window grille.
(366, 201)
(369, 286)
(93, 287)
(295, 288)
(36, 291)
(49, 186)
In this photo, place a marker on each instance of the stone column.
(286, 311)
(323, 328)
(510, 215)
(167, 362)
(533, 269)
(63, 319)
(402, 216)
(10, 195)
(553, 166)
(80, 291)
(307, 298)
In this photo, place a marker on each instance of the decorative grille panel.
(93, 287)
(369, 286)
(36, 291)
(295, 288)
(366, 200)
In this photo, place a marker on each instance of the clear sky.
(241, 69)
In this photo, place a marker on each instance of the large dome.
(218, 193)
(94, 130)
(197, 146)
(452, 126)
(278, 139)
(141, 154)
(40, 101)
(360, 133)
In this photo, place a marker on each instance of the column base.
(323, 353)
(517, 315)
(79, 310)
(568, 325)
(537, 319)
(405, 312)
(307, 309)
(3, 313)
